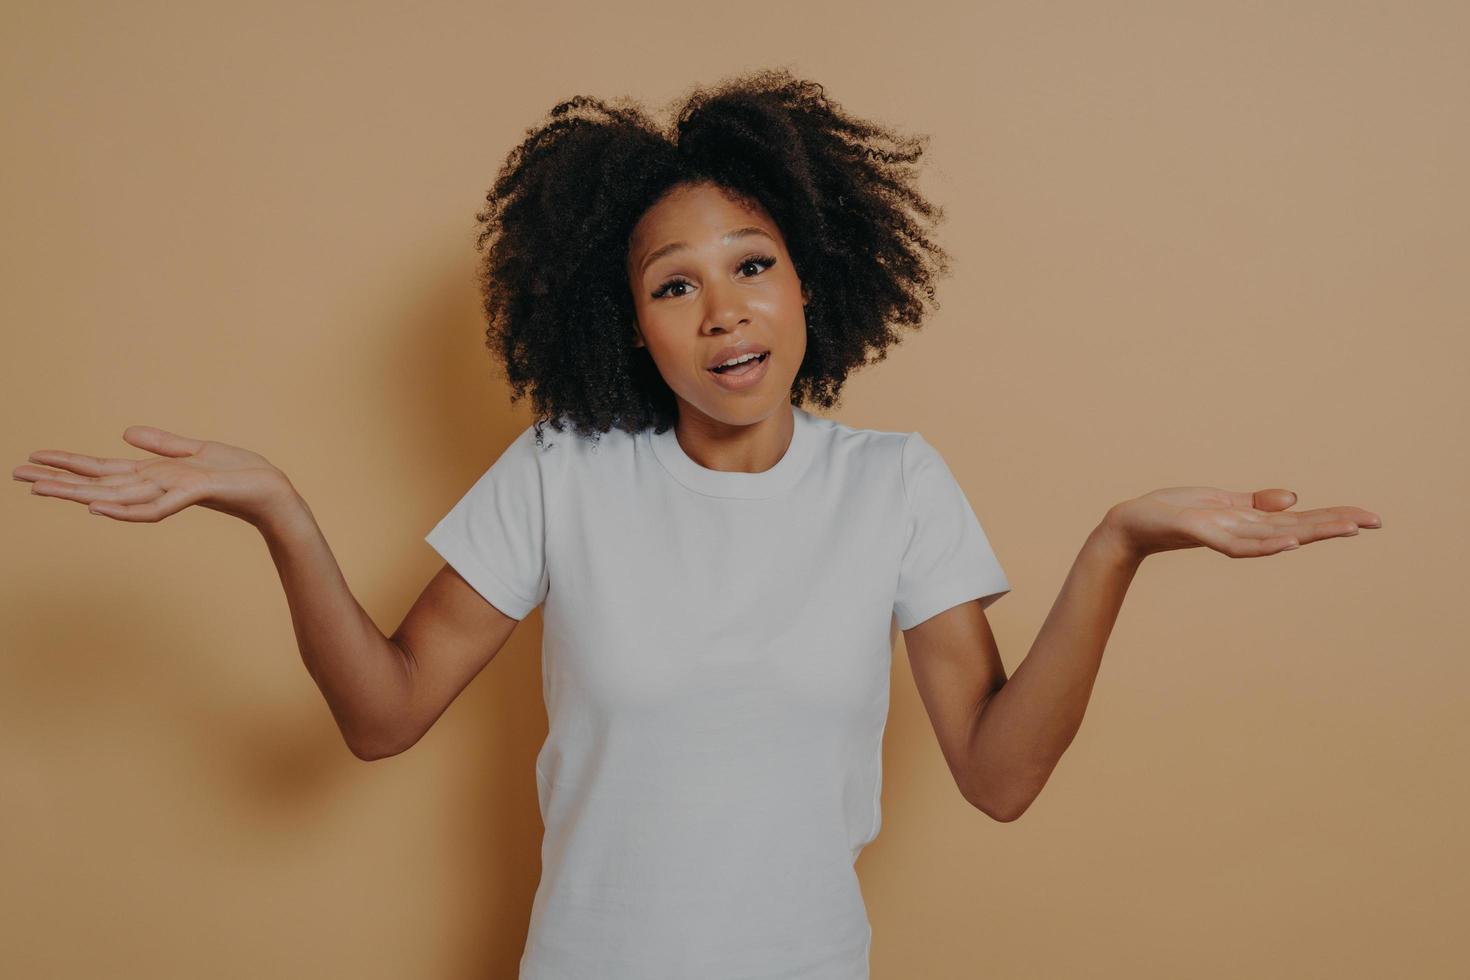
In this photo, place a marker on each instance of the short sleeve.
(947, 559)
(495, 536)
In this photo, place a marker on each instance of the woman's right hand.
(186, 471)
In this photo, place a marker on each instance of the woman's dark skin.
(1001, 737)
(695, 300)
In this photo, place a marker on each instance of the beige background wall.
(1194, 244)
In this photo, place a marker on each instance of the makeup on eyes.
(765, 261)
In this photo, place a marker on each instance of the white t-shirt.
(716, 651)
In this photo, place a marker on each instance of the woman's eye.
(663, 290)
(762, 262)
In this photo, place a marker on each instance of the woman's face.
(707, 274)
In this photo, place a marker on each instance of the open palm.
(186, 471)
(1241, 524)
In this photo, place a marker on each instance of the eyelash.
(765, 261)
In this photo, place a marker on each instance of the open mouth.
(743, 367)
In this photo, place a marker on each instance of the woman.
(721, 570)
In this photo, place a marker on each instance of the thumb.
(1273, 499)
(161, 441)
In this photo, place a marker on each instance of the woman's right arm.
(383, 693)
(363, 676)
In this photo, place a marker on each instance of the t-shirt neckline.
(748, 486)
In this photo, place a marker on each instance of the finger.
(1306, 533)
(1359, 516)
(1258, 525)
(161, 441)
(1251, 541)
(78, 463)
(1260, 547)
(1318, 516)
(1267, 500)
(1355, 515)
(170, 502)
(136, 492)
(1276, 536)
(1325, 520)
(1272, 500)
(38, 475)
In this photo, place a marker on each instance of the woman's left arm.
(1024, 726)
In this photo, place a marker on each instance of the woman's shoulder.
(850, 439)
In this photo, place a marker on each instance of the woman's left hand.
(1237, 523)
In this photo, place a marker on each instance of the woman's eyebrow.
(663, 250)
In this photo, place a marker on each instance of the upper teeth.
(737, 360)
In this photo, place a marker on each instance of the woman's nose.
(723, 307)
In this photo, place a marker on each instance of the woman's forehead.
(693, 214)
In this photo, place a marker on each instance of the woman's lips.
(750, 374)
(735, 350)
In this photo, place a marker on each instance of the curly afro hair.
(558, 219)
